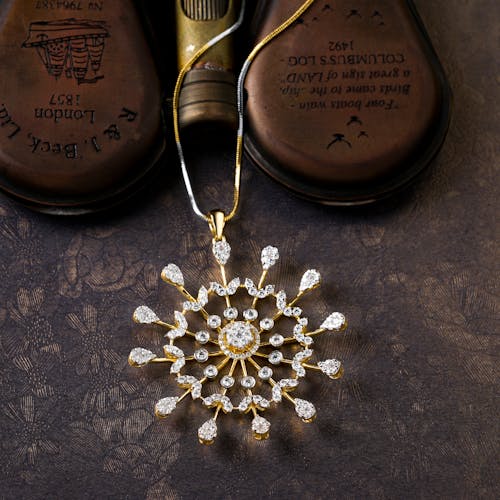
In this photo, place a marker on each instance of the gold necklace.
(234, 353)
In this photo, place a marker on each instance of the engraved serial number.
(65, 100)
(58, 4)
(338, 46)
(69, 5)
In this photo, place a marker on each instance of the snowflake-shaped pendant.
(250, 361)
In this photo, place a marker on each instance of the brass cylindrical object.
(208, 94)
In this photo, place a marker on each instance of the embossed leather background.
(416, 414)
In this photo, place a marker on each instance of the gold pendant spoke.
(224, 283)
(259, 286)
(161, 360)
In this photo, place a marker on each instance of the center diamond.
(239, 340)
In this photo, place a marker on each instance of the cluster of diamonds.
(239, 350)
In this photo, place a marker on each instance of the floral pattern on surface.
(130, 445)
(93, 352)
(96, 260)
(414, 417)
(32, 432)
(33, 331)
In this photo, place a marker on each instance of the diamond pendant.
(237, 359)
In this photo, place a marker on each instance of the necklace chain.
(210, 218)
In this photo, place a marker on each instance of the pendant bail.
(217, 222)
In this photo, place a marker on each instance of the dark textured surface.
(415, 415)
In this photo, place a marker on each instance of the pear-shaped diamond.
(165, 407)
(305, 410)
(336, 322)
(269, 257)
(310, 280)
(173, 275)
(207, 432)
(260, 427)
(330, 367)
(140, 356)
(222, 251)
(145, 315)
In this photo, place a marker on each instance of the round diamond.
(267, 324)
(247, 382)
(265, 373)
(239, 336)
(276, 340)
(250, 314)
(211, 371)
(202, 337)
(201, 355)
(214, 321)
(227, 381)
(275, 358)
(239, 340)
(231, 313)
